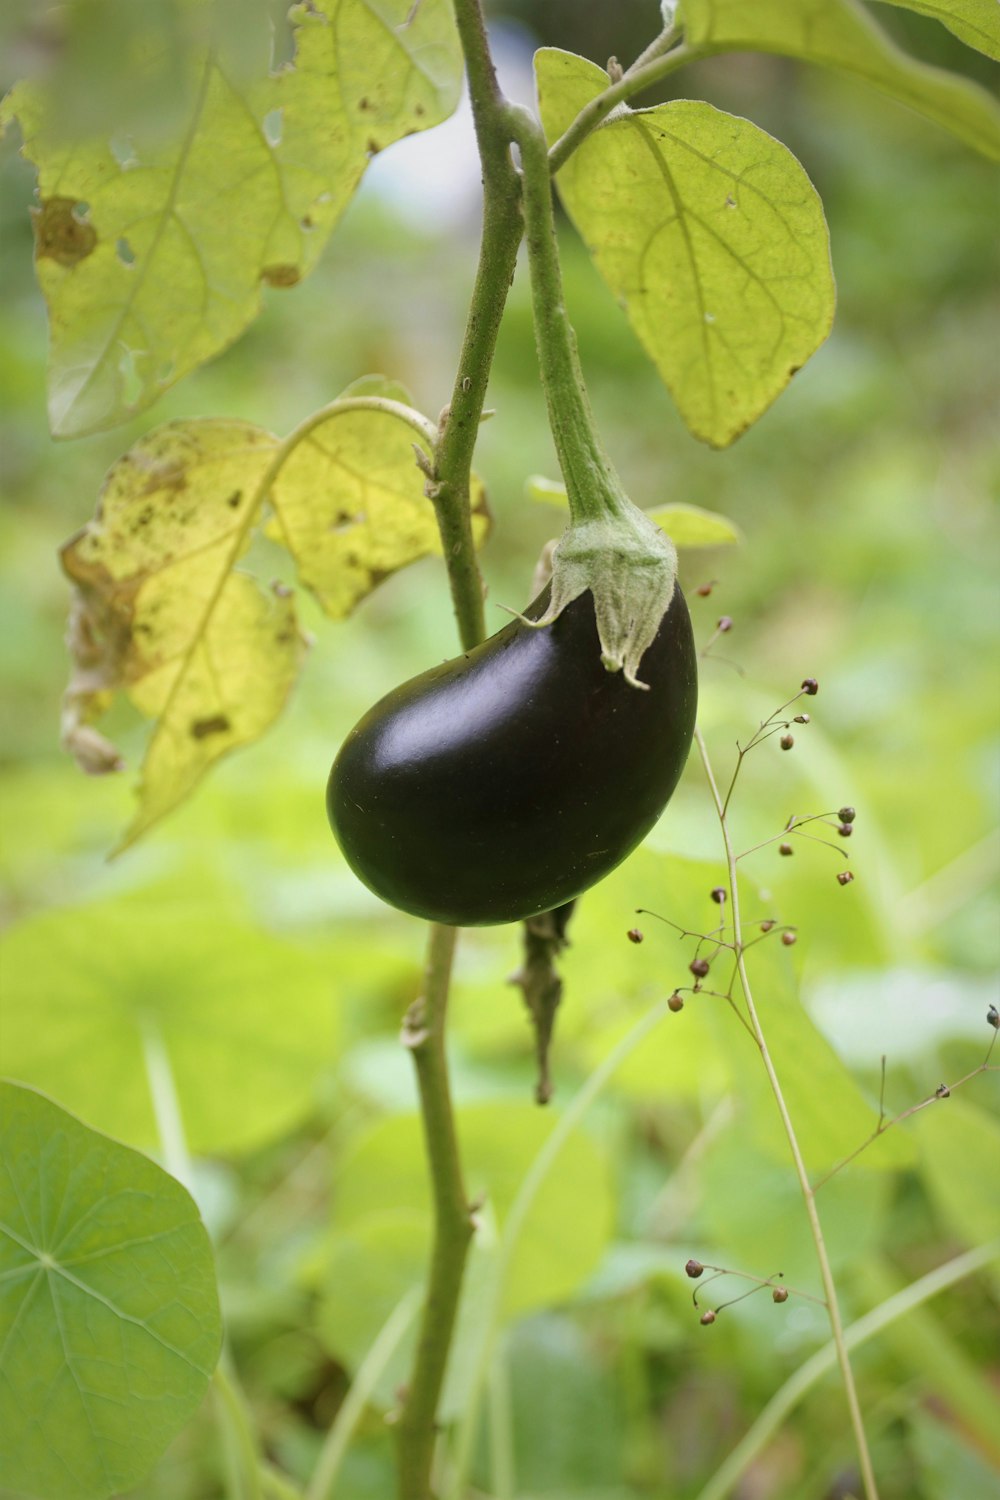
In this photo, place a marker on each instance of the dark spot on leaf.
(202, 728)
(373, 148)
(284, 275)
(125, 252)
(306, 222)
(60, 234)
(418, 110)
(364, 104)
(235, 499)
(793, 370)
(730, 201)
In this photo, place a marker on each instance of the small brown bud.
(844, 877)
(789, 938)
(704, 589)
(785, 849)
(847, 815)
(787, 741)
(699, 967)
(707, 1318)
(810, 686)
(993, 1017)
(719, 895)
(634, 935)
(780, 1294)
(693, 1269)
(724, 625)
(942, 1091)
(675, 1003)
(845, 830)
(767, 924)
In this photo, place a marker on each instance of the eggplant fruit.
(507, 781)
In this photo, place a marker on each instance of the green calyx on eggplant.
(511, 779)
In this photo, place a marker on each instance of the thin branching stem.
(942, 1092)
(808, 1192)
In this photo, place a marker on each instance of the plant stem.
(517, 1216)
(808, 1193)
(727, 1476)
(423, 1032)
(592, 486)
(351, 1410)
(501, 235)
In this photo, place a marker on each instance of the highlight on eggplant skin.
(514, 777)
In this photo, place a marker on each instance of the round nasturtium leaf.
(109, 1313)
(247, 1021)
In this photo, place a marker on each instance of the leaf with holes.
(151, 251)
(349, 500)
(160, 613)
(710, 234)
(246, 1022)
(109, 1315)
(841, 34)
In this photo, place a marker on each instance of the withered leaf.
(160, 612)
(350, 502)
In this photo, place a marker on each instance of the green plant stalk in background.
(808, 1192)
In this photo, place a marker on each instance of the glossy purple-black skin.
(509, 780)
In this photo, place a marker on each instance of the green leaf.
(685, 525)
(151, 253)
(349, 500)
(949, 1466)
(832, 1117)
(567, 1228)
(976, 22)
(752, 1211)
(840, 34)
(959, 1146)
(248, 1023)
(160, 613)
(109, 1315)
(382, 1229)
(710, 234)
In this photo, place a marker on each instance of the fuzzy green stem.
(423, 1033)
(805, 1186)
(592, 486)
(501, 235)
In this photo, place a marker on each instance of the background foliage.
(276, 984)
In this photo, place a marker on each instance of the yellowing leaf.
(840, 34)
(710, 234)
(160, 613)
(151, 255)
(350, 504)
(685, 525)
(693, 526)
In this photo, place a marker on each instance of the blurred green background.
(867, 497)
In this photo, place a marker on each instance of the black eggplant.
(509, 780)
